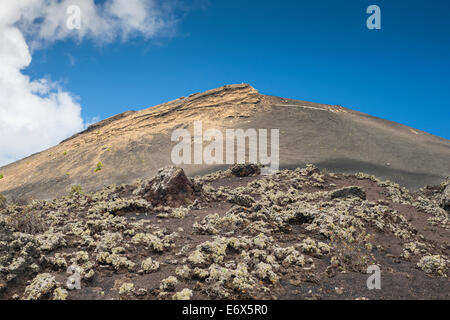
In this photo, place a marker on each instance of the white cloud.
(37, 113)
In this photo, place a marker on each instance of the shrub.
(99, 166)
(351, 250)
(1, 176)
(76, 188)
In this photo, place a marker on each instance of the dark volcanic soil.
(285, 236)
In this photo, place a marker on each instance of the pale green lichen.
(434, 264)
(149, 265)
(126, 288)
(183, 272)
(310, 246)
(116, 261)
(42, 285)
(57, 262)
(154, 242)
(264, 271)
(119, 205)
(224, 281)
(414, 248)
(185, 294)
(60, 294)
(168, 284)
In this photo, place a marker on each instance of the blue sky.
(318, 51)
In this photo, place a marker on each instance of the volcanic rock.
(352, 191)
(245, 169)
(169, 187)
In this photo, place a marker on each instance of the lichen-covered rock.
(60, 294)
(414, 248)
(352, 191)
(434, 264)
(310, 246)
(88, 275)
(169, 187)
(200, 273)
(226, 281)
(126, 288)
(261, 241)
(264, 272)
(179, 213)
(58, 262)
(243, 200)
(168, 284)
(289, 256)
(81, 257)
(197, 258)
(115, 260)
(114, 206)
(41, 286)
(50, 241)
(108, 241)
(154, 242)
(245, 169)
(183, 272)
(149, 265)
(185, 294)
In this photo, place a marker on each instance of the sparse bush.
(351, 250)
(99, 166)
(75, 189)
(27, 222)
(1, 176)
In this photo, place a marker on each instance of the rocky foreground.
(234, 234)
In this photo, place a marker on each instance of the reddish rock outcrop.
(170, 187)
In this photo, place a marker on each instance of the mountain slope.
(136, 143)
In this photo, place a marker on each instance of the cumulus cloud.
(37, 113)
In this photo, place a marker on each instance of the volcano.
(135, 144)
